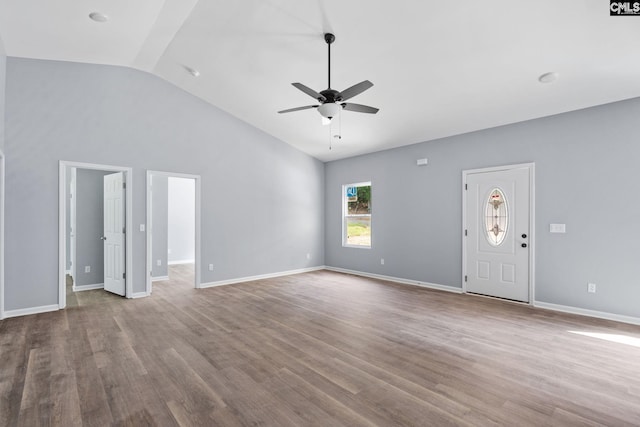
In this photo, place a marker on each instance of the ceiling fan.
(331, 101)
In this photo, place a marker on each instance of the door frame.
(532, 222)
(2, 174)
(198, 203)
(62, 224)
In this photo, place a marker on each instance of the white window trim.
(344, 215)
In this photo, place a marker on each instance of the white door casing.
(497, 257)
(114, 233)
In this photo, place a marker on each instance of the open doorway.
(173, 228)
(94, 217)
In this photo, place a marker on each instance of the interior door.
(114, 233)
(498, 233)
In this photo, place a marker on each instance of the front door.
(114, 233)
(497, 241)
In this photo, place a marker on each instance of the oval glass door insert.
(496, 217)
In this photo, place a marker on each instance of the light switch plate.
(557, 228)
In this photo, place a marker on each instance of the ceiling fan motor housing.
(330, 95)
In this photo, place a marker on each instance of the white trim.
(2, 187)
(428, 285)
(532, 220)
(62, 224)
(181, 261)
(31, 310)
(198, 232)
(139, 295)
(586, 312)
(159, 278)
(81, 288)
(260, 277)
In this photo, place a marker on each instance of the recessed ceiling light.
(192, 71)
(98, 17)
(548, 77)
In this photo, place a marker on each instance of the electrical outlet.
(591, 287)
(381, 261)
(159, 262)
(141, 227)
(308, 256)
(210, 267)
(87, 269)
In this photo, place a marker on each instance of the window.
(496, 217)
(356, 213)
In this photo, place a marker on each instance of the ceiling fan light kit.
(329, 110)
(331, 101)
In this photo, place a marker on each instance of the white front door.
(497, 241)
(114, 233)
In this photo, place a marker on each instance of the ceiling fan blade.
(306, 107)
(312, 93)
(359, 108)
(355, 90)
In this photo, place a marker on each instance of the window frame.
(345, 214)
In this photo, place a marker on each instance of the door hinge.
(124, 230)
(124, 185)
(465, 232)
(465, 187)
(124, 275)
(465, 278)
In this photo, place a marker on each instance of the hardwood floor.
(320, 349)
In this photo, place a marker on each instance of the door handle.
(103, 238)
(524, 245)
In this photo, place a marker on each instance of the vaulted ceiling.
(439, 68)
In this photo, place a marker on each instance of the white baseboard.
(181, 261)
(159, 278)
(586, 312)
(81, 288)
(538, 304)
(139, 295)
(31, 310)
(398, 280)
(260, 277)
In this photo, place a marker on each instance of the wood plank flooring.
(316, 349)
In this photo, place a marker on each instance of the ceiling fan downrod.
(329, 38)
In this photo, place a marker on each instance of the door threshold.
(515, 301)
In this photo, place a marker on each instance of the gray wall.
(67, 244)
(160, 210)
(117, 116)
(89, 226)
(181, 220)
(586, 177)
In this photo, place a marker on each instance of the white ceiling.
(439, 68)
